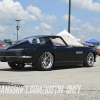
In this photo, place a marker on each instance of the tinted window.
(35, 40)
(57, 41)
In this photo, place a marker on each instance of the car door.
(64, 54)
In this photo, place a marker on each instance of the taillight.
(18, 53)
(1, 46)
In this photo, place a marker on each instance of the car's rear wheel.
(89, 60)
(45, 62)
(16, 65)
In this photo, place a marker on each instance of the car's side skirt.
(61, 63)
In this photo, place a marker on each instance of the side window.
(34, 40)
(57, 42)
(42, 40)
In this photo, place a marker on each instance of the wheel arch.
(42, 53)
(53, 54)
(94, 56)
(86, 64)
(40, 67)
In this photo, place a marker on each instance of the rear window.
(36, 40)
(32, 40)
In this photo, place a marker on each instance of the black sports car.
(44, 52)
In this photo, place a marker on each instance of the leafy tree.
(7, 41)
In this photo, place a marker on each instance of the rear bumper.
(15, 58)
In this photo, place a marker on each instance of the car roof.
(48, 36)
(43, 36)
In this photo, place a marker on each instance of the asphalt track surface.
(86, 77)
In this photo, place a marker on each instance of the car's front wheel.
(45, 62)
(89, 60)
(16, 65)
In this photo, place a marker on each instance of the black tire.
(46, 63)
(89, 60)
(16, 65)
